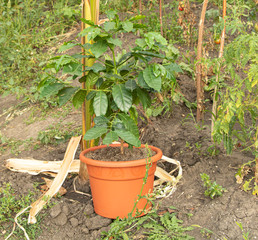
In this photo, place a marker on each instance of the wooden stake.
(199, 82)
(215, 99)
(160, 17)
(90, 11)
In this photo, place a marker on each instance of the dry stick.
(215, 99)
(58, 181)
(256, 171)
(160, 17)
(35, 167)
(199, 82)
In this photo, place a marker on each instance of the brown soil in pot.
(114, 154)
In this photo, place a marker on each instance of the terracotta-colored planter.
(116, 185)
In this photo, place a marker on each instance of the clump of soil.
(114, 154)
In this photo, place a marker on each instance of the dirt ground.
(176, 134)
(73, 217)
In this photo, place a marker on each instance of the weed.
(213, 150)
(15, 145)
(153, 226)
(10, 205)
(57, 134)
(244, 234)
(212, 189)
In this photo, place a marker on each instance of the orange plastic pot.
(115, 186)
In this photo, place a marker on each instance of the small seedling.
(245, 235)
(213, 189)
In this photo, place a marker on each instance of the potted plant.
(116, 83)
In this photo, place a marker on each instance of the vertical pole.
(90, 11)
(199, 82)
(222, 41)
(160, 17)
(83, 172)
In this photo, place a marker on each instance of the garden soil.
(176, 134)
(179, 137)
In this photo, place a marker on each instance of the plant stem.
(114, 59)
(199, 82)
(122, 147)
(215, 99)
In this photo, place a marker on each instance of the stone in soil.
(55, 210)
(74, 222)
(65, 210)
(97, 222)
(60, 220)
(88, 210)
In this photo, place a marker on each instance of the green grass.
(28, 28)
(10, 205)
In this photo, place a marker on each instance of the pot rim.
(116, 164)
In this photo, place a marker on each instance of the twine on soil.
(74, 188)
(20, 226)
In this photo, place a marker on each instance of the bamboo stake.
(90, 11)
(222, 41)
(199, 82)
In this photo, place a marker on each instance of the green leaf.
(51, 89)
(110, 137)
(129, 124)
(98, 48)
(158, 37)
(156, 70)
(96, 67)
(130, 85)
(138, 17)
(67, 46)
(111, 14)
(91, 79)
(173, 67)
(140, 42)
(150, 79)
(151, 54)
(144, 97)
(115, 42)
(91, 95)
(101, 121)
(122, 97)
(95, 132)
(109, 26)
(100, 103)
(142, 82)
(91, 33)
(89, 22)
(66, 94)
(128, 137)
(127, 26)
(73, 68)
(79, 98)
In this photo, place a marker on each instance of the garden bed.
(43, 134)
